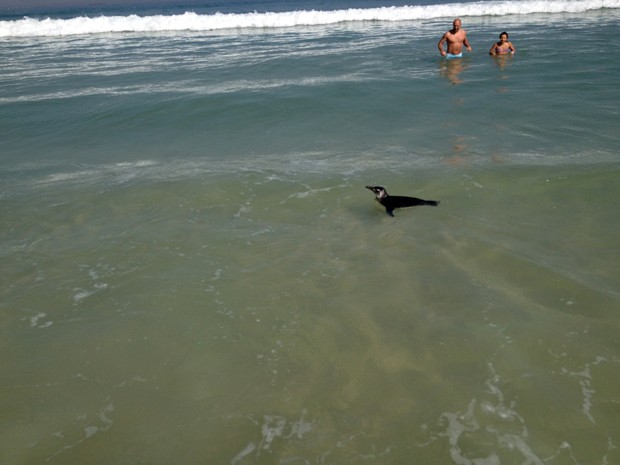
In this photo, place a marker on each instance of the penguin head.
(379, 191)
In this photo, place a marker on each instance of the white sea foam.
(492, 416)
(190, 21)
(187, 87)
(34, 321)
(275, 428)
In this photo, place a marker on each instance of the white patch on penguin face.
(378, 191)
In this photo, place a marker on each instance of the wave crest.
(190, 21)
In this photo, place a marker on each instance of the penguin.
(390, 202)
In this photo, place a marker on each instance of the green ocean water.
(193, 272)
(284, 317)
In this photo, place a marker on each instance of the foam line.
(190, 21)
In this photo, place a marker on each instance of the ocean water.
(192, 271)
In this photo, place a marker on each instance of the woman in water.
(503, 47)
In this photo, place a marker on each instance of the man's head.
(456, 24)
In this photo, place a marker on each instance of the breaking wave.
(191, 21)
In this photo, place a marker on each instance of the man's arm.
(466, 44)
(440, 45)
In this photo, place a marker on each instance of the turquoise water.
(193, 272)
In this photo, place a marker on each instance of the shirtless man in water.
(456, 38)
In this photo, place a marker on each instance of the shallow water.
(193, 272)
(259, 318)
